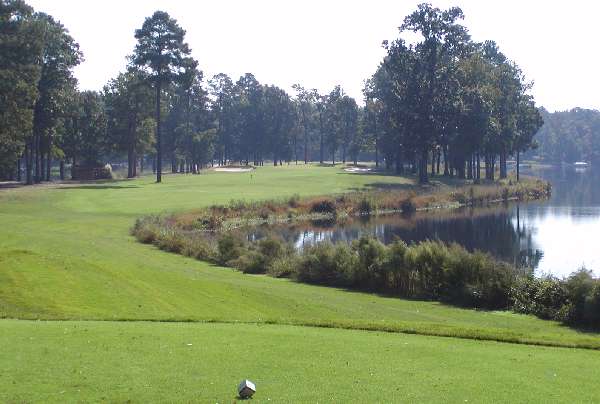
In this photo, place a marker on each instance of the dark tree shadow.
(98, 187)
(389, 186)
(10, 184)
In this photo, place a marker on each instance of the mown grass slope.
(186, 362)
(65, 253)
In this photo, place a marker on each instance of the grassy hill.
(66, 254)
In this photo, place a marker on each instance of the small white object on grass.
(246, 389)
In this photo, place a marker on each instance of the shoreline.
(241, 213)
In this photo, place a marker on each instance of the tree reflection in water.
(549, 236)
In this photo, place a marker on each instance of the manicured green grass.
(65, 253)
(186, 362)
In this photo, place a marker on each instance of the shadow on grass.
(434, 180)
(591, 331)
(378, 173)
(594, 331)
(10, 184)
(118, 183)
(390, 186)
(91, 186)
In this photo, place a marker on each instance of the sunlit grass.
(66, 253)
(185, 362)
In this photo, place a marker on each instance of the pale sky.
(320, 43)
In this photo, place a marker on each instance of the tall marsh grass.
(216, 218)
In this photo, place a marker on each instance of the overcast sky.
(320, 43)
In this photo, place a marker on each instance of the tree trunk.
(62, 170)
(470, 168)
(48, 166)
(173, 164)
(130, 161)
(158, 137)
(19, 169)
(134, 161)
(43, 167)
(478, 168)
(423, 178)
(321, 156)
(305, 147)
(376, 150)
(503, 170)
(399, 165)
(37, 157)
(28, 163)
(73, 166)
(518, 168)
(446, 172)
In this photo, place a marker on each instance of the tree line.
(569, 136)
(442, 100)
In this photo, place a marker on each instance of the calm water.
(556, 236)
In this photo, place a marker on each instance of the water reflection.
(556, 236)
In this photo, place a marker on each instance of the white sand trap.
(357, 170)
(233, 169)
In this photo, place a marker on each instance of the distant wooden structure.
(87, 173)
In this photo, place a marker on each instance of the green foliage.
(249, 262)
(365, 206)
(430, 270)
(569, 136)
(325, 263)
(147, 229)
(128, 103)
(284, 266)
(259, 258)
(447, 81)
(162, 54)
(323, 205)
(199, 248)
(408, 206)
(574, 300)
(37, 56)
(293, 201)
(170, 240)
(90, 141)
(20, 45)
(228, 248)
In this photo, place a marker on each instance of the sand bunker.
(234, 169)
(357, 169)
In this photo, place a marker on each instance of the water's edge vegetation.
(241, 213)
(428, 270)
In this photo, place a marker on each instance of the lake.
(555, 236)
